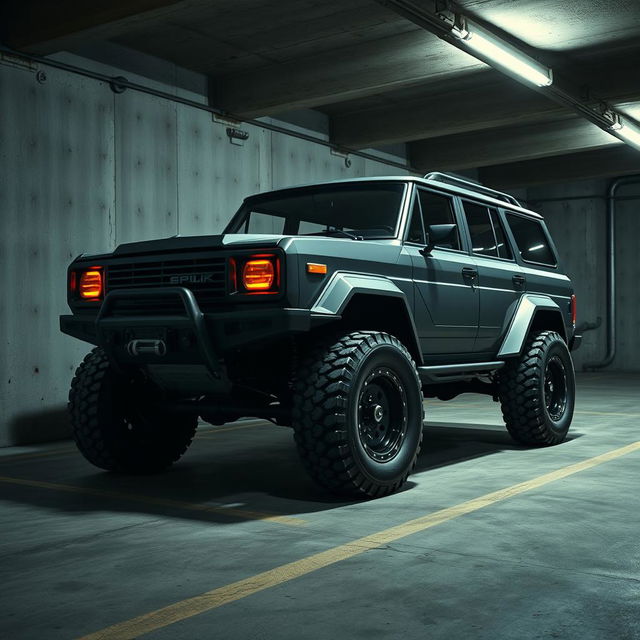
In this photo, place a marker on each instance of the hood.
(185, 243)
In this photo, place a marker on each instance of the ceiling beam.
(43, 27)
(475, 104)
(459, 110)
(510, 144)
(602, 163)
(408, 59)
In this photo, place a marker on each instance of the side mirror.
(439, 234)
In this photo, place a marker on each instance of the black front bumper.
(189, 337)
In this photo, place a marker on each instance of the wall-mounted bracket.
(237, 136)
(341, 154)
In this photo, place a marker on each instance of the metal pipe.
(611, 271)
(535, 201)
(122, 84)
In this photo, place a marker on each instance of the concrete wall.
(576, 216)
(83, 169)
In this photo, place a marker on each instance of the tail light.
(574, 310)
(255, 274)
(87, 284)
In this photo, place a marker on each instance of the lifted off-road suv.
(332, 309)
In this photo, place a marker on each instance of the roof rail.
(456, 181)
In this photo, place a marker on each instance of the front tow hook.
(146, 347)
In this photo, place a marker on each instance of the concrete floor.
(83, 550)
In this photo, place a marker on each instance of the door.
(446, 306)
(501, 281)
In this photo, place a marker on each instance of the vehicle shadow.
(253, 470)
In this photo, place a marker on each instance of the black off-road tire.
(358, 414)
(115, 424)
(537, 391)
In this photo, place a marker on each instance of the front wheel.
(537, 391)
(357, 414)
(116, 425)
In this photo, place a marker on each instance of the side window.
(531, 240)
(263, 223)
(438, 209)
(310, 227)
(483, 241)
(504, 250)
(416, 232)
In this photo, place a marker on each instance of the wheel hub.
(382, 414)
(555, 388)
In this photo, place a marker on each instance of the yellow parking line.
(231, 512)
(284, 573)
(42, 454)
(206, 433)
(609, 413)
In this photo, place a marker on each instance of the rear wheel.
(357, 414)
(537, 391)
(116, 425)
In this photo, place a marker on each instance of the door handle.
(518, 281)
(470, 275)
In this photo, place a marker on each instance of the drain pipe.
(611, 271)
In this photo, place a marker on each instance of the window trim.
(412, 202)
(546, 234)
(509, 239)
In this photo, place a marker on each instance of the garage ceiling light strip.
(448, 23)
(285, 573)
(486, 46)
(626, 130)
(120, 84)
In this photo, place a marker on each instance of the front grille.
(206, 277)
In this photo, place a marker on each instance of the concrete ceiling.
(379, 77)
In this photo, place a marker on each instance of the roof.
(463, 191)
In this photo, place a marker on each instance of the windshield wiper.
(342, 232)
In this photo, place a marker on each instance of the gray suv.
(334, 309)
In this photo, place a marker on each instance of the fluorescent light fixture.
(627, 131)
(501, 54)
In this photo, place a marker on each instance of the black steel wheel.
(382, 414)
(116, 425)
(358, 413)
(555, 388)
(537, 391)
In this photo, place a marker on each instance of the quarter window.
(416, 232)
(531, 240)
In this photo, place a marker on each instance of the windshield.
(356, 210)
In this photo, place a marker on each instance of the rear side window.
(531, 240)
(485, 228)
(438, 209)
